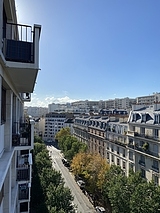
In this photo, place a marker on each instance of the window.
(155, 179)
(124, 165)
(117, 149)
(3, 106)
(155, 148)
(134, 117)
(142, 158)
(131, 166)
(107, 146)
(24, 207)
(124, 153)
(118, 162)
(155, 164)
(156, 119)
(143, 173)
(112, 148)
(112, 158)
(130, 155)
(156, 133)
(107, 155)
(143, 118)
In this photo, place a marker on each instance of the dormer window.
(143, 117)
(156, 119)
(134, 117)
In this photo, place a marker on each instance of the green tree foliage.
(48, 192)
(37, 139)
(145, 198)
(69, 144)
(130, 194)
(61, 136)
(60, 198)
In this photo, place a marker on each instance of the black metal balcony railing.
(121, 143)
(18, 44)
(23, 174)
(23, 193)
(152, 137)
(141, 149)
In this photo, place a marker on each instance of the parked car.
(81, 184)
(65, 162)
(100, 209)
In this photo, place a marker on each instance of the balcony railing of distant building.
(18, 43)
(118, 142)
(149, 137)
(142, 149)
(143, 135)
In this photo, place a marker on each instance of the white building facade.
(129, 141)
(53, 124)
(19, 65)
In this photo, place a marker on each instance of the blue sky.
(94, 49)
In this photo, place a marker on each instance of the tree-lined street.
(80, 200)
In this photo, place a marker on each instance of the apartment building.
(80, 128)
(36, 112)
(143, 140)
(116, 142)
(120, 103)
(68, 123)
(97, 134)
(149, 99)
(53, 124)
(129, 141)
(19, 65)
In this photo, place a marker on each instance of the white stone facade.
(131, 141)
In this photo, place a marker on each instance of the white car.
(81, 183)
(100, 209)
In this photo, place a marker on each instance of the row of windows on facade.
(155, 163)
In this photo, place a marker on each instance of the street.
(80, 200)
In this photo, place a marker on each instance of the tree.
(145, 198)
(48, 184)
(92, 167)
(130, 194)
(60, 198)
(61, 136)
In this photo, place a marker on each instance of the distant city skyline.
(94, 50)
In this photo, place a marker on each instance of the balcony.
(131, 133)
(141, 149)
(23, 191)
(25, 136)
(23, 167)
(118, 142)
(147, 137)
(21, 55)
(23, 173)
